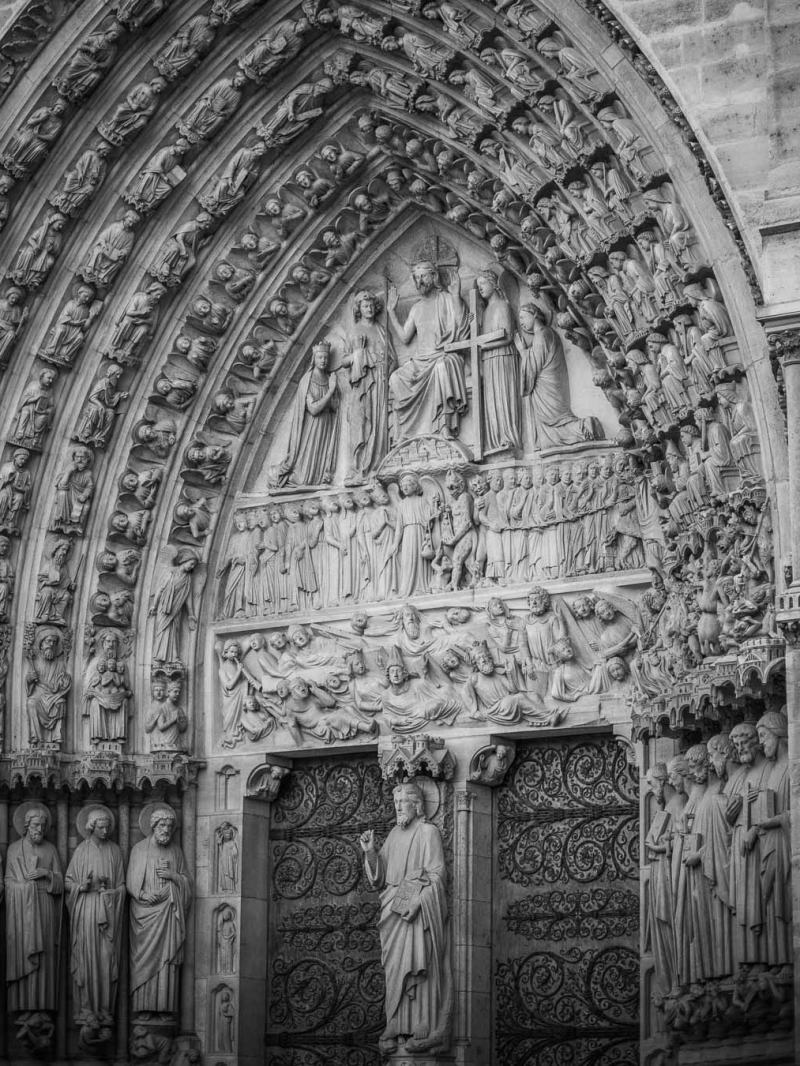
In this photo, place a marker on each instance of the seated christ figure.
(429, 392)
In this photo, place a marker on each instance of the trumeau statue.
(414, 927)
(34, 887)
(95, 897)
(160, 890)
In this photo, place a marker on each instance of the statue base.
(425, 1058)
(738, 1051)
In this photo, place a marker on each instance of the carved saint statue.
(34, 884)
(107, 690)
(74, 491)
(368, 360)
(429, 392)
(175, 596)
(313, 435)
(499, 369)
(95, 886)
(413, 926)
(160, 888)
(545, 386)
(47, 681)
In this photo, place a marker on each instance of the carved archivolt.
(255, 185)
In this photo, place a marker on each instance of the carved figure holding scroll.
(413, 926)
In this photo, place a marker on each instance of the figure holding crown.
(311, 455)
(429, 391)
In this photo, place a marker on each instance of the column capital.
(785, 343)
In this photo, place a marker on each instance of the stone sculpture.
(34, 886)
(174, 599)
(82, 180)
(95, 897)
(106, 693)
(15, 491)
(160, 889)
(429, 392)
(311, 451)
(47, 684)
(414, 927)
(74, 491)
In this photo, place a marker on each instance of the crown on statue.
(322, 346)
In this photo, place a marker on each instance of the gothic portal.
(397, 503)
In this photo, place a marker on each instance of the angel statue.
(368, 358)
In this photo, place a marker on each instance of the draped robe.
(96, 925)
(414, 954)
(429, 391)
(545, 384)
(158, 930)
(33, 926)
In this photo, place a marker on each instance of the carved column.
(785, 343)
(784, 339)
(189, 840)
(124, 831)
(62, 844)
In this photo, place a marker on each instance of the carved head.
(562, 650)
(772, 728)
(158, 689)
(481, 658)
(486, 282)
(162, 823)
(409, 803)
(720, 752)
(5, 545)
(411, 620)
(231, 651)
(497, 608)
(604, 610)
(455, 483)
(657, 778)
(298, 687)
(98, 824)
(617, 668)
(49, 644)
(424, 274)
(539, 600)
(300, 636)
(380, 497)
(321, 353)
(697, 758)
(37, 822)
(356, 663)
(409, 485)
(744, 738)
(678, 771)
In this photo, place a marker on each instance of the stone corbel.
(490, 764)
(408, 757)
(265, 781)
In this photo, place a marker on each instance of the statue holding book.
(415, 945)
